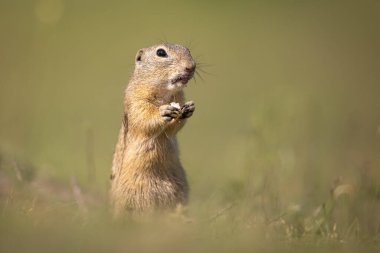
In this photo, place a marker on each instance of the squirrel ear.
(139, 55)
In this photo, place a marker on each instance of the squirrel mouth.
(184, 79)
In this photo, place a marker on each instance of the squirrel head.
(166, 66)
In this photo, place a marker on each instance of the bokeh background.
(285, 138)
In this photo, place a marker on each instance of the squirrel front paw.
(169, 112)
(187, 110)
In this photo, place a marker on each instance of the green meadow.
(282, 153)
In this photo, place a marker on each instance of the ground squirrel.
(146, 171)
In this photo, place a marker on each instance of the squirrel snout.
(190, 68)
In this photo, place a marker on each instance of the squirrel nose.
(190, 68)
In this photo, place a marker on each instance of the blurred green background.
(287, 111)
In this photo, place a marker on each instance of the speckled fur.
(146, 171)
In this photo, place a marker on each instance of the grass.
(47, 214)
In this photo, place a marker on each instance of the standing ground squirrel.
(146, 171)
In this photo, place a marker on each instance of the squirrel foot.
(187, 110)
(169, 112)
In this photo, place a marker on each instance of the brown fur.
(146, 170)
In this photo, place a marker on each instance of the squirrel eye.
(161, 53)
